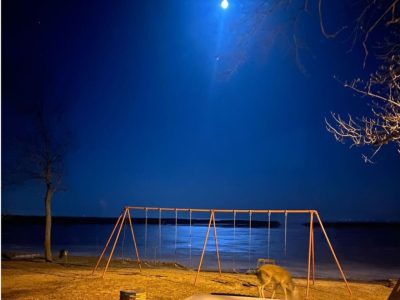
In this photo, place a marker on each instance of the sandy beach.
(36, 279)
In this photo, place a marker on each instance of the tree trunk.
(47, 234)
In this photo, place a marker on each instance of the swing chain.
(269, 232)
(159, 236)
(190, 238)
(145, 233)
(286, 217)
(176, 229)
(249, 250)
(234, 239)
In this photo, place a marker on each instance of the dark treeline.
(14, 219)
(358, 224)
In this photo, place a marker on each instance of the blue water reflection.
(239, 247)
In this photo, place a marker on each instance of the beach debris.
(136, 294)
(220, 296)
(163, 264)
(179, 266)
(250, 271)
(391, 282)
(231, 296)
(226, 283)
(248, 284)
(12, 255)
(63, 254)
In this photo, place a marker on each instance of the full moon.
(224, 4)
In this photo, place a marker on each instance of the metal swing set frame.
(125, 214)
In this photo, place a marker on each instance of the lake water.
(365, 253)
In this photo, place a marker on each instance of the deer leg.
(284, 290)
(273, 290)
(262, 291)
(265, 284)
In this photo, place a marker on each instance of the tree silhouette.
(36, 138)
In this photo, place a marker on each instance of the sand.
(36, 279)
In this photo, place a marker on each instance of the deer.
(278, 276)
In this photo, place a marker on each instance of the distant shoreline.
(14, 219)
(357, 224)
(19, 219)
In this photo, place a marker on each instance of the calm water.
(365, 253)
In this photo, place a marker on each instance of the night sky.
(173, 104)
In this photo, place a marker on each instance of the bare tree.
(35, 140)
(46, 164)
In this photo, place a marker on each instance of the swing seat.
(265, 261)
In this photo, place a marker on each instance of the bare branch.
(321, 24)
(391, 8)
(383, 127)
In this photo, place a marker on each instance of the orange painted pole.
(115, 242)
(313, 255)
(204, 249)
(216, 243)
(333, 252)
(256, 211)
(105, 247)
(134, 241)
(309, 254)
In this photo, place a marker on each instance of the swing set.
(125, 214)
